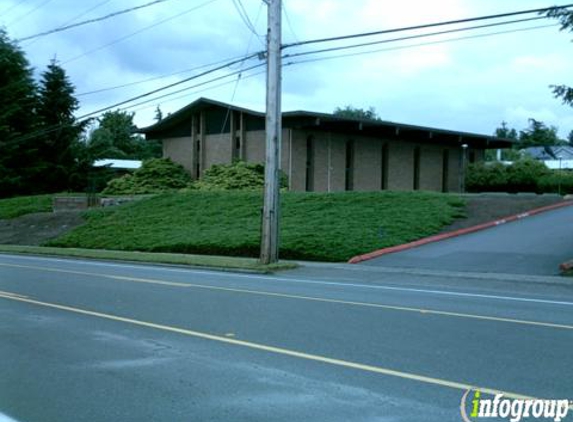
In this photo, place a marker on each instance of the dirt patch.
(485, 208)
(35, 229)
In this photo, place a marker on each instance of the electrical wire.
(163, 88)
(244, 16)
(198, 91)
(155, 78)
(288, 21)
(411, 37)
(12, 7)
(424, 26)
(139, 31)
(97, 6)
(29, 12)
(470, 37)
(94, 20)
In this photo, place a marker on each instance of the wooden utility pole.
(273, 128)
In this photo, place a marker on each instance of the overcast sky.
(469, 85)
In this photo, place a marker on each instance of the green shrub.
(485, 177)
(155, 176)
(236, 176)
(557, 182)
(523, 175)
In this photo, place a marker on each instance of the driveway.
(535, 246)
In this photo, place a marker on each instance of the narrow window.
(417, 168)
(384, 167)
(349, 171)
(472, 156)
(310, 164)
(198, 161)
(445, 170)
(237, 148)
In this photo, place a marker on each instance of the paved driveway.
(534, 245)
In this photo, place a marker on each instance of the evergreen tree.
(18, 101)
(565, 17)
(116, 138)
(57, 148)
(539, 134)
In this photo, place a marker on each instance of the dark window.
(349, 171)
(472, 156)
(198, 159)
(384, 167)
(309, 164)
(237, 148)
(417, 168)
(445, 170)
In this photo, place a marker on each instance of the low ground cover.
(315, 226)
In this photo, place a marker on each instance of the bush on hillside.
(236, 176)
(155, 176)
(482, 177)
(524, 175)
(557, 182)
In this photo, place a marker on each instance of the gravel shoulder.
(483, 208)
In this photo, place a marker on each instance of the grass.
(15, 207)
(314, 226)
(220, 262)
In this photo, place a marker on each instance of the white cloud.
(468, 85)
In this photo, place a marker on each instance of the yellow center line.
(276, 350)
(423, 311)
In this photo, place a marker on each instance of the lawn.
(15, 207)
(314, 226)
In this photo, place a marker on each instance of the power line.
(227, 115)
(196, 92)
(410, 37)
(155, 78)
(470, 37)
(101, 18)
(97, 6)
(147, 94)
(161, 22)
(218, 78)
(425, 26)
(244, 16)
(289, 23)
(29, 12)
(12, 7)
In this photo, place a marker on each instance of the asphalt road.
(96, 341)
(533, 245)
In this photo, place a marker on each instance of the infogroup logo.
(513, 410)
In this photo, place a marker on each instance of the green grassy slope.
(15, 207)
(315, 226)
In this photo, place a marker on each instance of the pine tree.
(57, 146)
(18, 101)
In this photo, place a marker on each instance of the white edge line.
(304, 281)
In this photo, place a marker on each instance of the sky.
(469, 85)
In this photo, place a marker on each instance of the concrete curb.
(436, 238)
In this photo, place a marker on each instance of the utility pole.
(273, 128)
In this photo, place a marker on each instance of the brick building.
(322, 152)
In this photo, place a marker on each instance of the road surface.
(534, 245)
(100, 341)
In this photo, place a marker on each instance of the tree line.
(43, 147)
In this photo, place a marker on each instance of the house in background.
(555, 157)
(323, 152)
